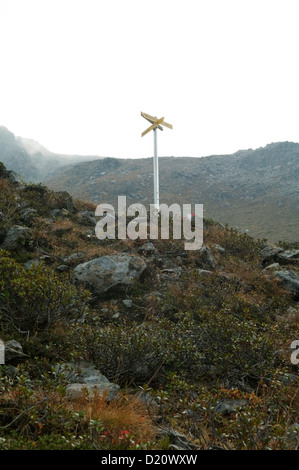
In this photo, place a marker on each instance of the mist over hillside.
(30, 159)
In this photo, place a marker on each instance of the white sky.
(75, 74)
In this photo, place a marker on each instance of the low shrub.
(37, 416)
(34, 299)
(231, 419)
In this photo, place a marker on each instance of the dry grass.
(124, 414)
(82, 205)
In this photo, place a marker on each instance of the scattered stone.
(30, 263)
(75, 391)
(87, 218)
(271, 267)
(290, 280)
(45, 258)
(15, 237)
(204, 271)
(59, 213)
(107, 272)
(78, 256)
(288, 256)
(13, 351)
(85, 378)
(229, 406)
(11, 371)
(288, 379)
(219, 249)
(27, 215)
(292, 315)
(147, 248)
(206, 259)
(128, 303)
(269, 254)
(80, 372)
(62, 268)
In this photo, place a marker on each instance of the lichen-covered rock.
(13, 351)
(206, 259)
(84, 378)
(27, 215)
(290, 280)
(269, 254)
(289, 256)
(102, 274)
(15, 237)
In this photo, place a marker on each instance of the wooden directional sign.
(151, 119)
(155, 123)
(153, 126)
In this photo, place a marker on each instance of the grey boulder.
(13, 351)
(84, 378)
(206, 259)
(289, 256)
(290, 280)
(15, 237)
(107, 272)
(270, 253)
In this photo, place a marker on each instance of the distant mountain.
(30, 159)
(254, 190)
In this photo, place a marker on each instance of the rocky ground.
(139, 343)
(254, 190)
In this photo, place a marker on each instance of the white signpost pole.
(156, 172)
(155, 124)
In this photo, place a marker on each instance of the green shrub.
(264, 419)
(34, 299)
(140, 353)
(240, 245)
(206, 345)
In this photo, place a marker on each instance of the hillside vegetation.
(179, 350)
(253, 190)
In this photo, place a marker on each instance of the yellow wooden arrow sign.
(153, 119)
(153, 126)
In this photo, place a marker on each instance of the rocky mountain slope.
(254, 190)
(139, 344)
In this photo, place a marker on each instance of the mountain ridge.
(255, 190)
